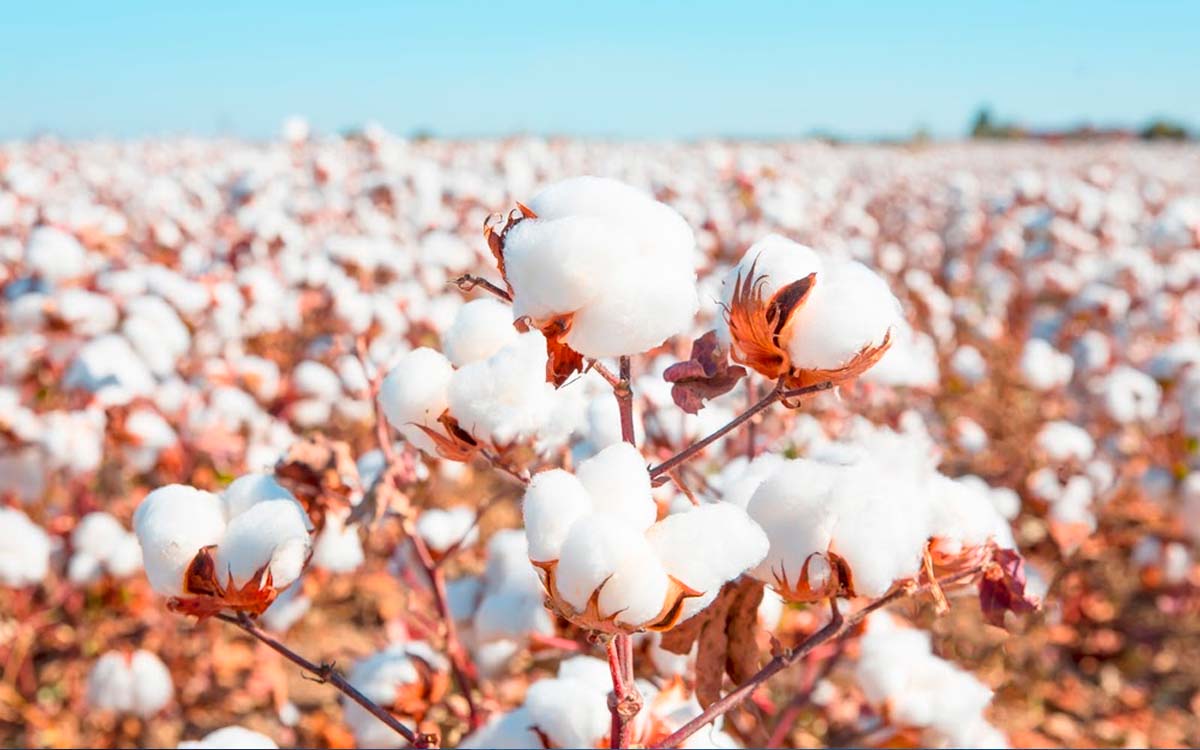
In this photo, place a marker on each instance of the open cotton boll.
(101, 542)
(635, 591)
(249, 489)
(571, 710)
(1063, 441)
(172, 524)
(480, 329)
(969, 435)
(381, 677)
(338, 548)
(553, 502)
(618, 482)
(25, 553)
(1043, 367)
(1130, 395)
(317, 380)
(731, 544)
(512, 614)
(54, 254)
(775, 259)
(271, 535)
(443, 528)
(558, 266)
(592, 551)
(849, 308)
(506, 731)
(504, 398)
(138, 683)
(231, 736)
(794, 508)
(881, 530)
(969, 364)
(108, 367)
(740, 477)
(414, 392)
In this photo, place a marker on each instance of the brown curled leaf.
(1002, 588)
(705, 375)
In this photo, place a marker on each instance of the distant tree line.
(985, 126)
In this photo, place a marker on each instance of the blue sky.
(620, 69)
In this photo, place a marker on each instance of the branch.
(836, 628)
(326, 673)
(467, 282)
(777, 394)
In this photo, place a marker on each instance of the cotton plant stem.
(836, 628)
(693, 450)
(468, 282)
(626, 701)
(326, 673)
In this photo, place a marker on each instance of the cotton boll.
(101, 542)
(172, 524)
(571, 713)
(414, 393)
(879, 533)
(775, 259)
(1044, 367)
(969, 364)
(25, 554)
(740, 478)
(271, 535)
(558, 266)
(249, 489)
(512, 614)
(380, 677)
(969, 435)
(793, 507)
(849, 308)
(618, 482)
(317, 380)
(504, 398)
(441, 529)
(231, 736)
(137, 684)
(506, 731)
(1130, 395)
(55, 255)
(108, 367)
(637, 588)
(1063, 441)
(152, 435)
(732, 543)
(338, 548)
(553, 502)
(592, 551)
(481, 328)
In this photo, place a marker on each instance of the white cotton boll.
(963, 514)
(249, 489)
(1092, 352)
(138, 683)
(316, 380)
(271, 535)
(261, 376)
(481, 328)
(25, 554)
(849, 308)
(54, 254)
(881, 532)
(553, 502)
(231, 736)
(910, 362)
(969, 435)
(731, 541)
(152, 435)
(1130, 395)
(618, 482)
(504, 398)
(1073, 505)
(511, 614)
(592, 551)
(156, 332)
(380, 677)
(571, 713)
(443, 528)
(108, 367)
(1043, 367)
(969, 364)
(414, 393)
(99, 541)
(88, 313)
(740, 477)
(172, 524)
(338, 548)
(794, 508)
(506, 731)
(1063, 441)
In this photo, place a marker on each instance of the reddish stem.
(326, 673)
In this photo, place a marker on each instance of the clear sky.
(622, 69)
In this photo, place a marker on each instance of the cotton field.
(366, 441)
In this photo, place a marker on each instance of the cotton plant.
(407, 678)
(137, 683)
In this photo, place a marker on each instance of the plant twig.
(777, 394)
(836, 628)
(468, 282)
(326, 673)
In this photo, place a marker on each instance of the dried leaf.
(727, 638)
(705, 375)
(321, 473)
(1002, 588)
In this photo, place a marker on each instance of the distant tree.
(1164, 130)
(982, 126)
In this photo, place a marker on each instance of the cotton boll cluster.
(900, 674)
(864, 518)
(235, 550)
(135, 683)
(1130, 395)
(406, 678)
(231, 736)
(1044, 367)
(601, 266)
(790, 309)
(25, 554)
(607, 564)
(445, 528)
(102, 545)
